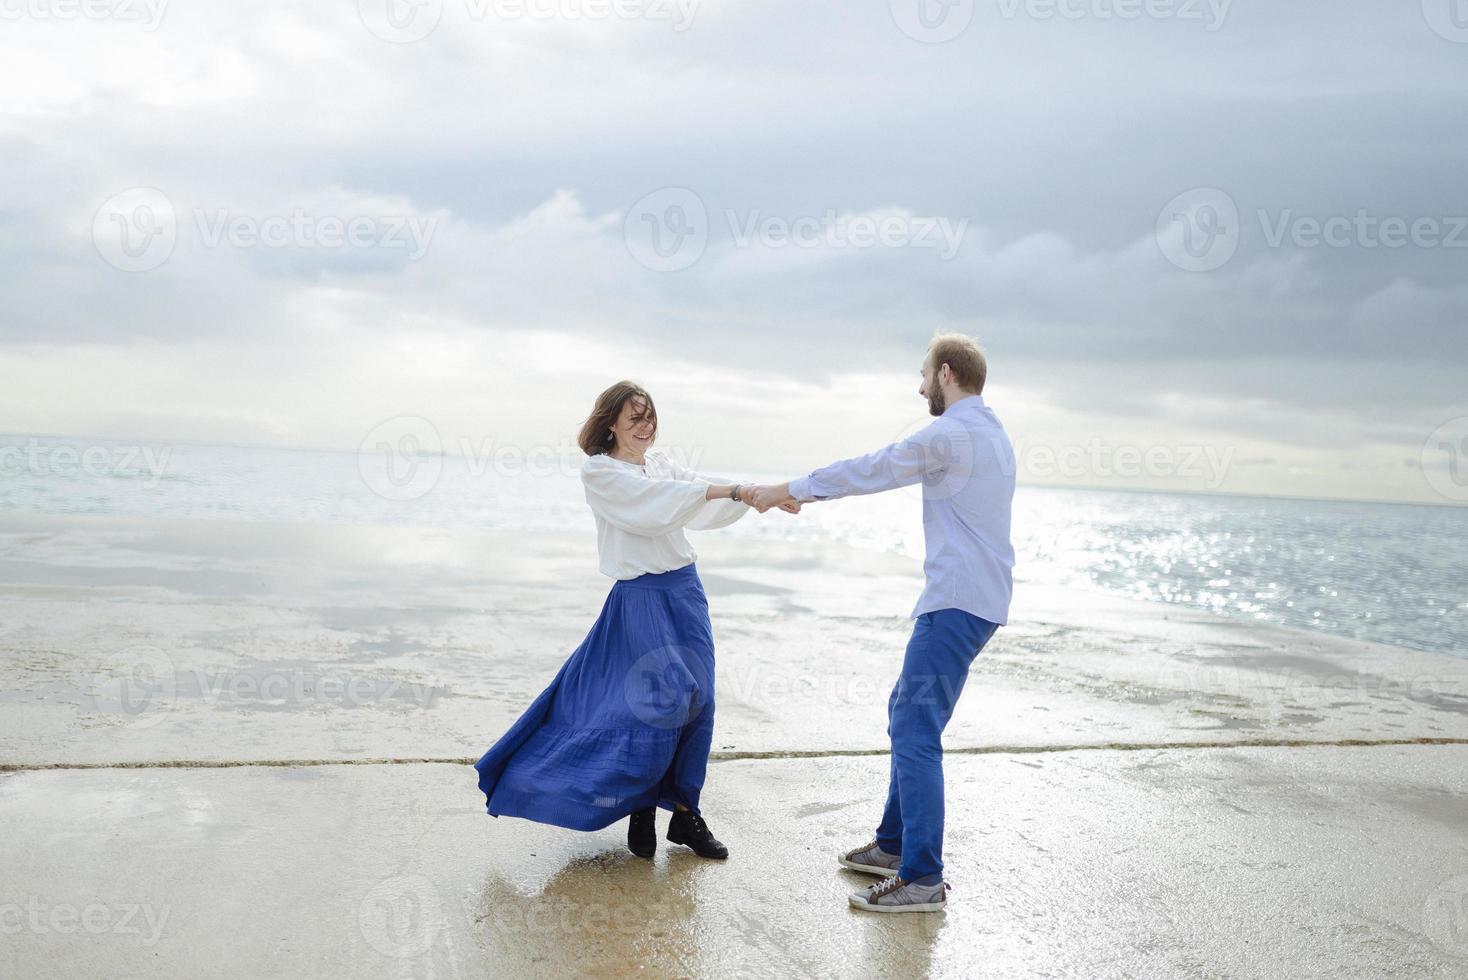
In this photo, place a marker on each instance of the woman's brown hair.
(596, 433)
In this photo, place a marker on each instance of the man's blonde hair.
(964, 359)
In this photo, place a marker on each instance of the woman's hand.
(749, 493)
(766, 497)
(763, 498)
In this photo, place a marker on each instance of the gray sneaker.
(896, 895)
(871, 859)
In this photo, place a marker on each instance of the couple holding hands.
(626, 725)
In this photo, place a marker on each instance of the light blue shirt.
(965, 463)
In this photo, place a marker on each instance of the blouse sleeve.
(715, 513)
(638, 505)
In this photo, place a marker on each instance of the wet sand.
(1134, 789)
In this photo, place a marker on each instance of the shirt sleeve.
(637, 504)
(715, 513)
(923, 455)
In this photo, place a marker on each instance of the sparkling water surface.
(1390, 573)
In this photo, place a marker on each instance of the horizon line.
(1093, 488)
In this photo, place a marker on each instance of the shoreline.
(322, 642)
(782, 756)
(10, 519)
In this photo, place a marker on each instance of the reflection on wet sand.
(612, 914)
(603, 914)
(892, 943)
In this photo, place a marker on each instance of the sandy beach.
(241, 748)
(345, 345)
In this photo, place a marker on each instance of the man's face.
(932, 391)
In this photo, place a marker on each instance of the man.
(965, 463)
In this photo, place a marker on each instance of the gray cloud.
(1054, 143)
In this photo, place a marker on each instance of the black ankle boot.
(688, 828)
(642, 832)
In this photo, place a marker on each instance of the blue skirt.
(628, 721)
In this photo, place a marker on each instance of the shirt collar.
(967, 403)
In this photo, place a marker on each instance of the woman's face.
(635, 427)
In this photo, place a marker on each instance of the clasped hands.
(763, 497)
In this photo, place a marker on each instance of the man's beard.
(936, 402)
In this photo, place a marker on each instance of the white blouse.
(642, 511)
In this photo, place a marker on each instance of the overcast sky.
(1230, 235)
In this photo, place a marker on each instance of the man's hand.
(763, 498)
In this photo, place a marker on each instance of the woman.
(626, 725)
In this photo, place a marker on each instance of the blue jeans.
(943, 645)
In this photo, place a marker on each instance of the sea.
(1384, 572)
